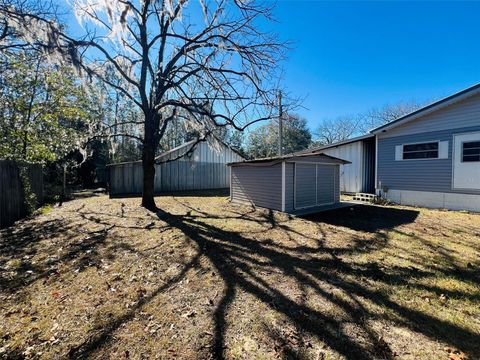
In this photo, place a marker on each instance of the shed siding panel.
(326, 184)
(289, 183)
(434, 175)
(337, 183)
(463, 114)
(261, 186)
(305, 185)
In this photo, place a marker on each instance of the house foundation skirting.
(436, 200)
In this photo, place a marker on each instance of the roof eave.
(339, 143)
(449, 100)
(280, 159)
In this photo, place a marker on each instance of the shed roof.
(437, 105)
(269, 161)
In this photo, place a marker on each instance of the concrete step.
(365, 197)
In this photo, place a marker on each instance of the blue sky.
(351, 56)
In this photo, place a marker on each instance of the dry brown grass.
(203, 278)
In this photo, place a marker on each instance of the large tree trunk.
(148, 162)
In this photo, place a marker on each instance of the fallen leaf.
(189, 314)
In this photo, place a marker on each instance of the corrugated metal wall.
(204, 168)
(351, 175)
(262, 185)
(359, 176)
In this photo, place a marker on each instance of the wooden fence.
(12, 196)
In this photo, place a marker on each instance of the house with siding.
(430, 157)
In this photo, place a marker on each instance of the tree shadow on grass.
(242, 263)
(80, 246)
(366, 218)
(103, 335)
(19, 245)
(236, 258)
(85, 242)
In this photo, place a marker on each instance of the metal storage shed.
(187, 167)
(359, 174)
(296, 183)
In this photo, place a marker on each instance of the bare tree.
(203, 61)
(333, 130)
(390, 112)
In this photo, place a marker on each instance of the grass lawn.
(203, 278)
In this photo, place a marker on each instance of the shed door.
(314, 185)
(466, 161)
(325, 184)
(305, 185)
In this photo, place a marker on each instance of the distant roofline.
(437, 105)
(339, 143)
(159, 156)
(188, 143)
(277, 159)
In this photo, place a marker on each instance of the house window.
(420, 151)
(471, 151)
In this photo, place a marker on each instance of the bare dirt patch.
(203, 278)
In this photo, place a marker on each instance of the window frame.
(422, 142)
(463, 149)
